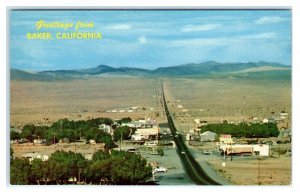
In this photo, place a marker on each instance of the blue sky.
(151, 39)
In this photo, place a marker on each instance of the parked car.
(159, 170)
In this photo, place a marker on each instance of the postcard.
(150, 96)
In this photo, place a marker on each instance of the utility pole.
(279, 149)
(258, 171)
(54, 138)
(80, 134)
(231, 152)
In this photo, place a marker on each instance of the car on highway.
(207, 152)
(159, 170)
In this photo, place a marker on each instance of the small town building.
(145, 133)
(245, 149)
(265, 120)
(285, 133)
(134, 124)
(261, 149)
(31, 156)
(39, 141)
(105, 128)
(91, 141)
(226, 139)
(188, 137)
(207, 136)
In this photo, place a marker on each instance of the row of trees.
(74, 130)
(119, 167)
(252, 130)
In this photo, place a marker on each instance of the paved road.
(192, 168)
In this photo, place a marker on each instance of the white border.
(225, 4)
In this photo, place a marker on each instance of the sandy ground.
(45, 102)
(86, 150)
(269, 171)
(233, 100)
(274, 170)
(213, 100)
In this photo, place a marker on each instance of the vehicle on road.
(151, 144)
(159, 170)
(207, 152)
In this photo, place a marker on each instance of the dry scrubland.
(32, 101)
(85, 149)
(258, 172)
(228, 99)
(207, 99)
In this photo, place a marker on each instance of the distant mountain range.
(206, 68)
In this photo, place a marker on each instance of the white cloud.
(269, 20)
(120, 27)
(204, 27)
(220, 41)
(267, 35)
(195, 42)
(142, 40)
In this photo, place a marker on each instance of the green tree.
(100, 171)
(14, 135)
(51, 136)
(125, 120)
(20, 172)
(66, 165)
(28, 132)
(100, 155)
(128, 168)
(123, 132)
(160, 152)
(100, 137)
(39, 170)
(109, 143)
(255, 130)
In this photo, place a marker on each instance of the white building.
(188, 137)
(207, 136)
(138, 137)
(261, 149)
(32, 156)
(265, 120)
(133, 124)
(105, 128)
(145, 133)
(240, 149)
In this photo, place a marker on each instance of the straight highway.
(191, 166)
